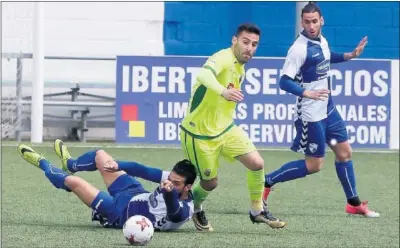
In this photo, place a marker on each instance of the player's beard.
(246, 59)
(240, 58)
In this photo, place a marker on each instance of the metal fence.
(15, 104)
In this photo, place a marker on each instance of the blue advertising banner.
(153, 92)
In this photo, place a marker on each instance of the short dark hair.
(248, 27)
(311, 7)
(187, 170)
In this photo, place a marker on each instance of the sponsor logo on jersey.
(323, 67)
(315, 55)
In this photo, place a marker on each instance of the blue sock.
(86, 162)
(103, 203)
(345, 173)
(103, 209)
(289, 171)
(55, 175)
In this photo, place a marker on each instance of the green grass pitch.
(35, 214)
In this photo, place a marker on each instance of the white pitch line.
(78, 145)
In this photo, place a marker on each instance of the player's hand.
(320, 95)
(360, 48)
(111, 166)
(232, 94)
(167, 185)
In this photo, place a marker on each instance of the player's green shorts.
(205, 153)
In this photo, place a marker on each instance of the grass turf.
(35, 214)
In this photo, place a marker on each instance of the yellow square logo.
(136, 128)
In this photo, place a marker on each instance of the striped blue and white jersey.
(308, 63)
(153, 206)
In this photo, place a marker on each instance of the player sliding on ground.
(306, 74)
(208, 130)
(169, 206)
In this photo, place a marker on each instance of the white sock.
(255, 212)
(196, 210)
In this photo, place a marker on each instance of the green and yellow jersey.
(209, 115)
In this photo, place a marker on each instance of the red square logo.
(129, 112)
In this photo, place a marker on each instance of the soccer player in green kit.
(208, 129)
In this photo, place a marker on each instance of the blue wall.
(202, 28)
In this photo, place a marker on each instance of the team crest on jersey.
(230, 86)
(324, 66)
(313, 147)
(207, 172)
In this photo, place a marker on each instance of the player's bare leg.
(345, 172)
(84, 190)
(255, 179)
(101, 159)
(104, 203)
(199, 218)
(314, 164)
(90, 161)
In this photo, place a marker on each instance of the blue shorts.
(311, 137)
(121, 191)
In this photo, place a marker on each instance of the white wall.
(99, 29)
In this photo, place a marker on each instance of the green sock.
(255, 183)
(199, 196)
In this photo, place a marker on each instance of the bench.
(79, 119)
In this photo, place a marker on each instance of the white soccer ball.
(138, 230)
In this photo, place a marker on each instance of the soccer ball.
(138, 230)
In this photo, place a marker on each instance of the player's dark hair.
(186, 169)
(311, 7)
(248, 27)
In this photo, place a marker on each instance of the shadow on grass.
(53, 224)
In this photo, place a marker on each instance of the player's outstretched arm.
(176, 211)
(135, 169)
(337, 57)
(340, 57)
